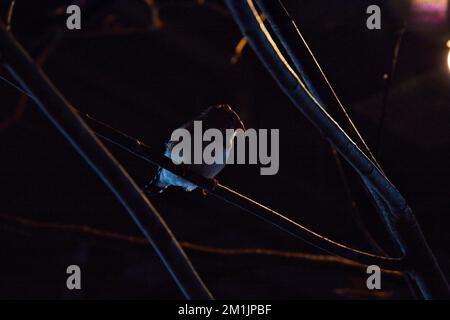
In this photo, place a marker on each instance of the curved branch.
(141, 150)
(310, 71)
(61, 114)
(233, 197)
(49, 229)
(10, 13)
(398, 216)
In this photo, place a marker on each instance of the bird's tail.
(153, 187)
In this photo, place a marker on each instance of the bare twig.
(10, 13)
(396, 213)
(354, 208)
(51, 102)
(235, 198)
(224, 193)
(388, 78)
(52, 228)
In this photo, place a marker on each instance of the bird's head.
(222, 117)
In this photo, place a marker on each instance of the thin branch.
(309, 70)
(387, 87)
(226, 194)
(306, 64)
(51, 102)
(397, 215)
(23, 100)
(10, 13)
(52, 228)
(351, 293)
(354, 208)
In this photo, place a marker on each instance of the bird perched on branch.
(221, 117)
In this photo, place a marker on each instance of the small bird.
(219, 117)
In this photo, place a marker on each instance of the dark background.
(147, 69)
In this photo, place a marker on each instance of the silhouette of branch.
(224, 193)
(61, 114)
(397, 215)
(10, 13)
(49, 229)
(23, 100)
(388, 78)
(235, 198)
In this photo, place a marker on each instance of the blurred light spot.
(430, 12)
(448, 57)
(448, 60)
(238, 50)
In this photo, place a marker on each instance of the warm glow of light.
(430, 12)
(448, 60)
(448, 57)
